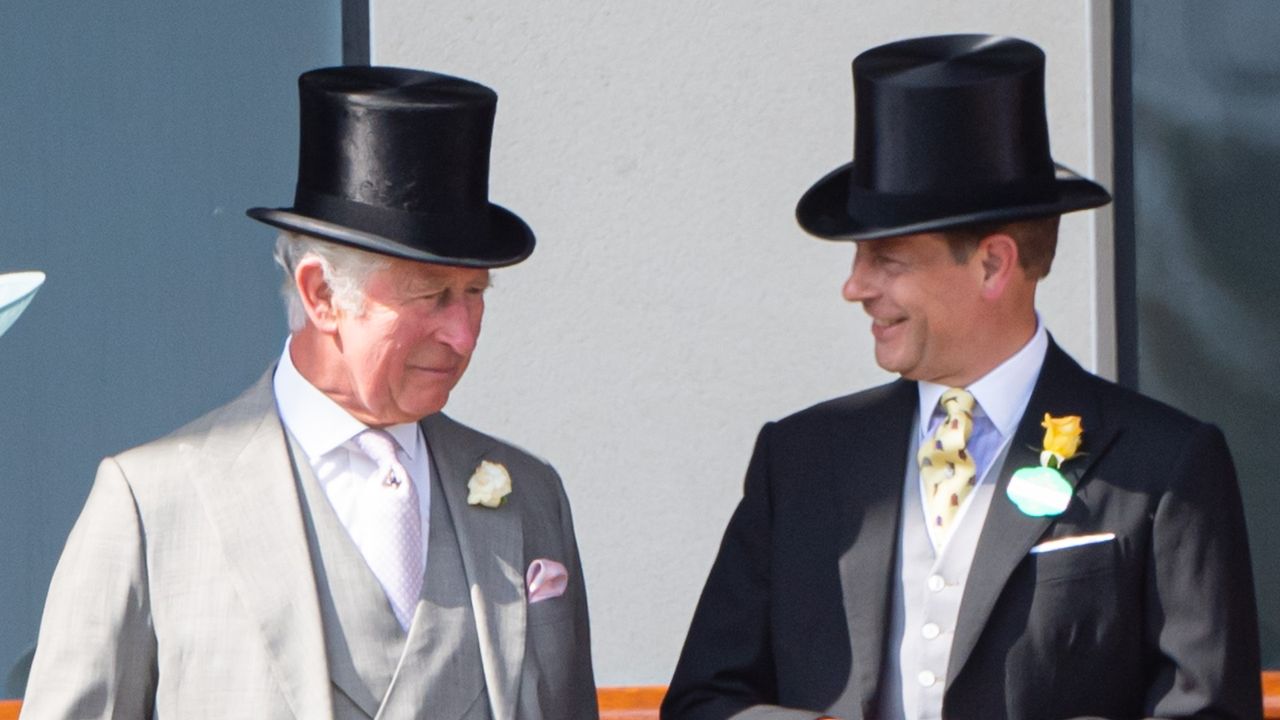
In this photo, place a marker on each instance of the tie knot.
(379, 446)
(956, 401)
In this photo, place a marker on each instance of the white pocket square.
(545, 579)
(1063, 543)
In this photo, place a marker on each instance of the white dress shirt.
(326, 434)
(932, 574)
(1001, 398)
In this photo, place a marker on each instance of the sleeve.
(1201, 613)
(582, 684)
(96, 654)
(726, 668)
(557, 680)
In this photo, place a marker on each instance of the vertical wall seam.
(1125, 229)
(355, 32)
(1099, 44)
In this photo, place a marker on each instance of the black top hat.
(397, 161)
(949, 131)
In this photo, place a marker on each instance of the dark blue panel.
(1206, 166)
(132, 137)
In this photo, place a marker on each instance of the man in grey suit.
(329, 544)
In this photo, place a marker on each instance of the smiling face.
(929, 312)
(397, 359)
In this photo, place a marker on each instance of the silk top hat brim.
(949, 131)
(396, 161)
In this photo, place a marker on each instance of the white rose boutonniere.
(489, 485)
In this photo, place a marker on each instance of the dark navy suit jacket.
(1160, 622)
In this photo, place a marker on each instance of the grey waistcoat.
(435, 672)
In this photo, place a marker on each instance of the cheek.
(405, 334)
(952, 319)
(385, 352)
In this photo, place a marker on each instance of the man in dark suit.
(997, 534)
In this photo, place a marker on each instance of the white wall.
(673, 305)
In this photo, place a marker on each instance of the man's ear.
(998, 256)
(316, 295)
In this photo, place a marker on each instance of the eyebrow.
(433, 283)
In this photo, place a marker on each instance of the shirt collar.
(318, 423)
(1002, 394)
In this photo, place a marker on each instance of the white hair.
(346, 271)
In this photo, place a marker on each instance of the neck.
(316, 356)
(1005, 337)
(307, 351)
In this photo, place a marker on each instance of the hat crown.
(396, 161)
(394, 138)
(941, 115)
(949, 130)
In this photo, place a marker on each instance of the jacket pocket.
(550, 611)
(1079, 561)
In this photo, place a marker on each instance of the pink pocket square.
(545, 579)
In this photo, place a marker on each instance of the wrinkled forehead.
(414, 275)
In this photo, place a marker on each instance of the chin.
(428, 406)
(889, 363)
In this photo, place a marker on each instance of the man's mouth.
(446, 370)
(881, 328)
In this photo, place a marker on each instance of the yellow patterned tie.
(946, 467)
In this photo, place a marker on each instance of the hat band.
(450, 234)
(881, 209)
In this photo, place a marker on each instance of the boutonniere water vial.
(1042, 490)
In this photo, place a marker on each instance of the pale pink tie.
(389, 533)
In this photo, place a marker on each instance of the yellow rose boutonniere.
(1061, 439)
(1041, 490)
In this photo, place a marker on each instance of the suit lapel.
(1063, 388)
(874, 465)
(243, 477)
(491, 542)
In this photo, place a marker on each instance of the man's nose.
(858, 287)
(459, 327)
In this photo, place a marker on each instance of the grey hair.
(346, 271)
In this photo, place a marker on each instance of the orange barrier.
(1271, 694)
(630, 703)
(641, 703)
